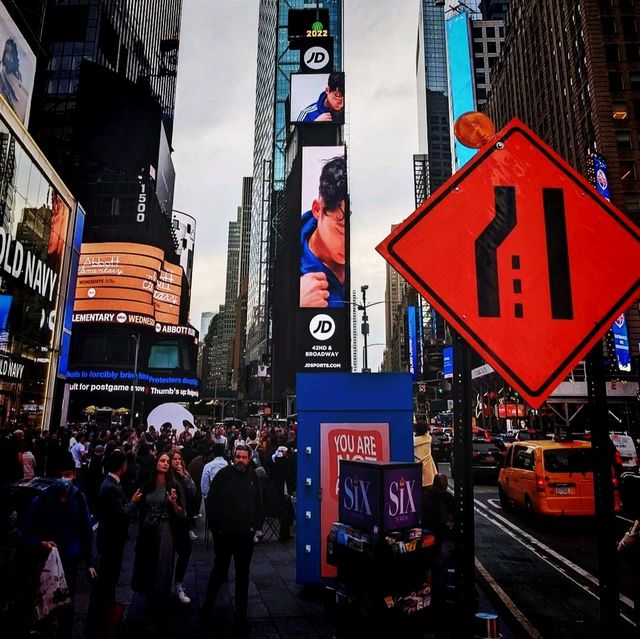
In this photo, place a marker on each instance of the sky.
(213, 136)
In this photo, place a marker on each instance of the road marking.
(530, 542)
(506, 600)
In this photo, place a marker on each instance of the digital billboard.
(317, 98)
(316, 55)
(621, 344)
(307, 23)
(461, 77)
(126, 283)
(324, 227)
(18, 67)
(412, 321)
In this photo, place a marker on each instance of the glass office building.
(40, 235)
(276, 63)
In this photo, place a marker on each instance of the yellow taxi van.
(550, 478)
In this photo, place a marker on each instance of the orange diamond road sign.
(523, 258)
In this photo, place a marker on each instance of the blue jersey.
(313, 111)
(309, 263)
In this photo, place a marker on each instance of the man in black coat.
(234, 512)
(114, 513)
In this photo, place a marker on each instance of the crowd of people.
(165, 481)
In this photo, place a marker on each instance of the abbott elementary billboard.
(126, 283)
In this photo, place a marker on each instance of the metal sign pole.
(463, 489)
(603, 487)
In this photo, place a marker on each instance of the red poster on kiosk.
(357, 442)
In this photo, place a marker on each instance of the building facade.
(102, 108)
(40, 235)
(571, 72)
(276, 62)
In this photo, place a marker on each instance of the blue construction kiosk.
(356, 416)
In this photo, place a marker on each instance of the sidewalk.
(278, 607)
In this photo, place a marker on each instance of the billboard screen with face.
(323, 232)
(17, 67)
(317, 98)
(127, 284)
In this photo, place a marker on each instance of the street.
(546, 569)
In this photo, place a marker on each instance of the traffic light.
(440, 390)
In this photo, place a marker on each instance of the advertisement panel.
(324, 341)
(307, 23)
(461, 77)
(621, 344)
(510, 410)
(317, 98)
(105, 380)
(413, 342)
(126, 283)
(447, 362)
(324, 227)
(619, 328)
(601, 176)
(18, 68)
(357, 442)
(316, 55)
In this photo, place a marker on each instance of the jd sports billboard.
(324, 266)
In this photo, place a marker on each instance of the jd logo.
(316, 58)
(356, 496)
(322, 327)
(401, 498)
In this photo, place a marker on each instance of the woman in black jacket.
(183, 527)
(161, 506)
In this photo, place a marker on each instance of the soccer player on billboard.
(323, 237)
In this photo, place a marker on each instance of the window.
(628, 171)
(615, 81)
(634, 80)
(631, 201)
(620, 110)
(633, 52)
(491, 32)
(612, 52)
(608, 25)
(623, 138)
(629, 27)
(164, 355)
(568, 460)
(626, 4)
(523, 458)
(491, 47)
(477, 46)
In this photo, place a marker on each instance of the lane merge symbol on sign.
(523, 258)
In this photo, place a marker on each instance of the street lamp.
(136, 338)
(364, 328)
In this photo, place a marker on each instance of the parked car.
(440, 446)
(627, 449)
(487, 456)
(551, 478)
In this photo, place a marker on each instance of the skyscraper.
(103, 110)
(433, 102)
(276, 62)
(576, 85)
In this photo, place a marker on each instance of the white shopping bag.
(53, 591)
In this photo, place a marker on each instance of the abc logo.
(158, 327)
(316, 58)
(121, 318)
(322, 327)
(91, 292)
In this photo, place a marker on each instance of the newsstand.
(382, 554)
